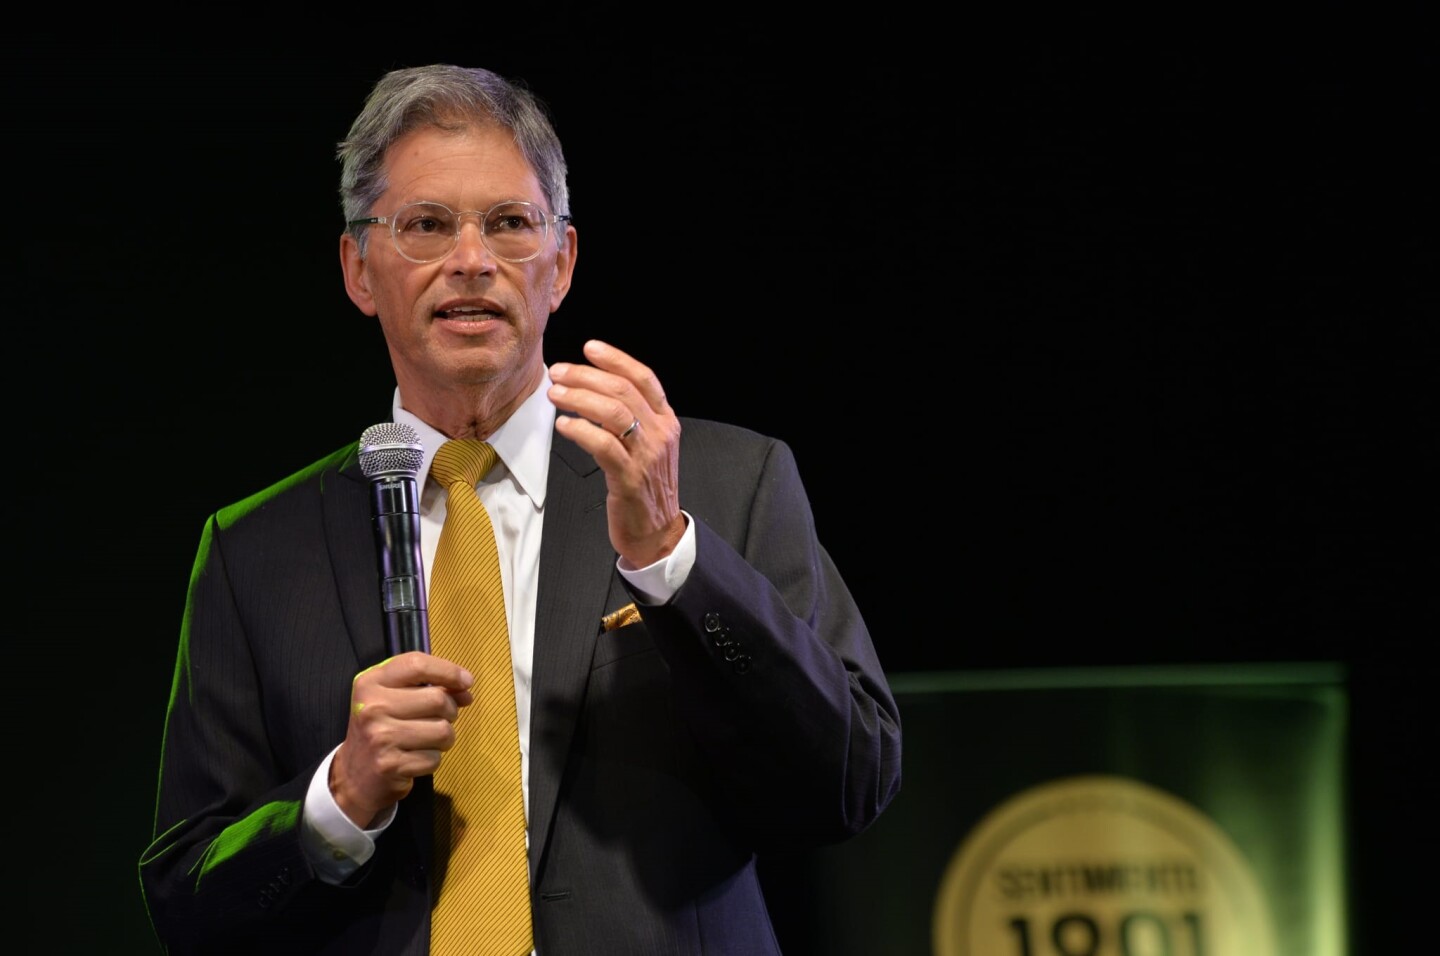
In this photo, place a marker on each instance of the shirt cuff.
(657, 583)
(335, 846)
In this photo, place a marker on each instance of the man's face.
(468, 318)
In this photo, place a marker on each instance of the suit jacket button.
(712, 622)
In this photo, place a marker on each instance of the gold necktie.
(483, 879)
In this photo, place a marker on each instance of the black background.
(1080, 342)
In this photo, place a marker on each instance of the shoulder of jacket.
(312, 476)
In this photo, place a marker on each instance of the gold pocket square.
(628, 614)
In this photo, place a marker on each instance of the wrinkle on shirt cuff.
(657, 583)
(335, 846)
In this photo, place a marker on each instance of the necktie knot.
(463, 459)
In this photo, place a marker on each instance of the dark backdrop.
(1074, 339)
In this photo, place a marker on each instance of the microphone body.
(390, 456)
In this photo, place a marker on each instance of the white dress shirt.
(514, 495)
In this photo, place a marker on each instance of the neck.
(472, 410)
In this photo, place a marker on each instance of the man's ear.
(357, 278)
(564, 268)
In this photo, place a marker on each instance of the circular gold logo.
(1099, 866)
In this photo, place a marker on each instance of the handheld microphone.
(391, 456)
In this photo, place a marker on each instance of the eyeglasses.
(426, 231)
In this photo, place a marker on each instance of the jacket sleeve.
(226, 868)
(774, 669)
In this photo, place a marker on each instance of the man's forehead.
(475, 167)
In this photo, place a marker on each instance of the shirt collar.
(522, 441)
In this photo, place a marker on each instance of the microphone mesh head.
(390, 448)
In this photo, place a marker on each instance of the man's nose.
(470, 242)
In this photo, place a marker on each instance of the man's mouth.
(467, 312)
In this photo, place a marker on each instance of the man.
(738, 708)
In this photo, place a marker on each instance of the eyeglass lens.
(429, 230)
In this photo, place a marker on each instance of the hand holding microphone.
(402, 710)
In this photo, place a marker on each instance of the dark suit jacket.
(750, 713)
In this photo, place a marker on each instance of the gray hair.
(447, 98)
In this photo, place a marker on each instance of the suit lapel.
(350, 534)
(577, 565)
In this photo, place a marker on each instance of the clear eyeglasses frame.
(426, 231)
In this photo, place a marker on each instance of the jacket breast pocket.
(622, 642)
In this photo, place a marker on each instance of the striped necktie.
(482, 906)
